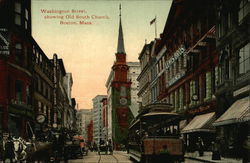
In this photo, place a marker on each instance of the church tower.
(121, 114)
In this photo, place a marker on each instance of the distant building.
(90, 132)
(97, 118)
(109, 102)
(144, 78)
(133, 73)
(105, 119)
(84, 118)
(67, 84)
(68, 108)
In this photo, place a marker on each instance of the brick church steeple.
(120, 67)
(121, 114)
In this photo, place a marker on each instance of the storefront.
(233, 128)
(18, 117)
(199, 126)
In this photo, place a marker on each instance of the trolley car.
(154, 135)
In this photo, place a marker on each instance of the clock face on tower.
(123, 101)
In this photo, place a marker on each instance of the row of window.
(195, 91)
(42, 87)
(144, 60)
(42, 62)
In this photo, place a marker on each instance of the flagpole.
(155, 27)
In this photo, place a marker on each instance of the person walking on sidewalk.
(200, 146)
(215, 151)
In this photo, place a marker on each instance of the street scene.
(93, 157)
(124, 81)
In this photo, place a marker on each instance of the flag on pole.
(152, 21)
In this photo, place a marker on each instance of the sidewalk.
(207, 157)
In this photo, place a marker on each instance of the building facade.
(28, 79)
(98, 131)
(68, 113)
(233, 90)
(133, 73)
(187, 68)
(16, 109)
(109, 102)
(144, 77)
(42, 87)
(202, 69)
(84, 118)
(105, 119)
(181, 68)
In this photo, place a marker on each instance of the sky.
(88, 49)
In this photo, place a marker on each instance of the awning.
(134, 123)
(237, 113)
(200, 123)
(183, 123)
(160, 113)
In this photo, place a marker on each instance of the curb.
(198, 159)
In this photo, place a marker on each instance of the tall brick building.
(27, 80)
(15, 66)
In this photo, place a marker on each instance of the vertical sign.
(55, 88)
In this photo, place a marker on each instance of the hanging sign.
(4, 42)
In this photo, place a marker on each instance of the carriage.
(154, 135)
(105, 147)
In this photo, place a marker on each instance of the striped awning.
(200, 123)
(237, 113)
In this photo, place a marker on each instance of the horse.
(19, 149)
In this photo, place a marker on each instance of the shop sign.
(176, 78)
(4, 42)
(181, 51)
(55, 80)
(199, 109)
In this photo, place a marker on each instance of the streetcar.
(154, 135)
